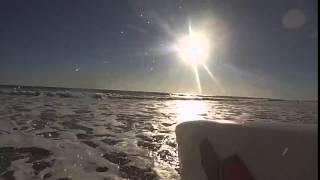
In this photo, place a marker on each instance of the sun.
(193, 48)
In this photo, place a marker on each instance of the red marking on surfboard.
(234, 169)
(230, 168)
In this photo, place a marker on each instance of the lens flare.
(193, 48)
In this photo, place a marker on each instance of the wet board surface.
(260, 151)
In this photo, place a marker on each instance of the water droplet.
(285, 151)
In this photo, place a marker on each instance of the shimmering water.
(87, 134)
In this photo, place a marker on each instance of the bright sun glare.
(193, 48)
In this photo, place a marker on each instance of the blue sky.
(260, 48)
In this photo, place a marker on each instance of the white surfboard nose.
(266, 150)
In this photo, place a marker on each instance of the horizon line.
(155, 92)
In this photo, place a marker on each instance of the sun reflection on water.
(190, 110)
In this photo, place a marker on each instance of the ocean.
(63, 133)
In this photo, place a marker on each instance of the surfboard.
(220, 150)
